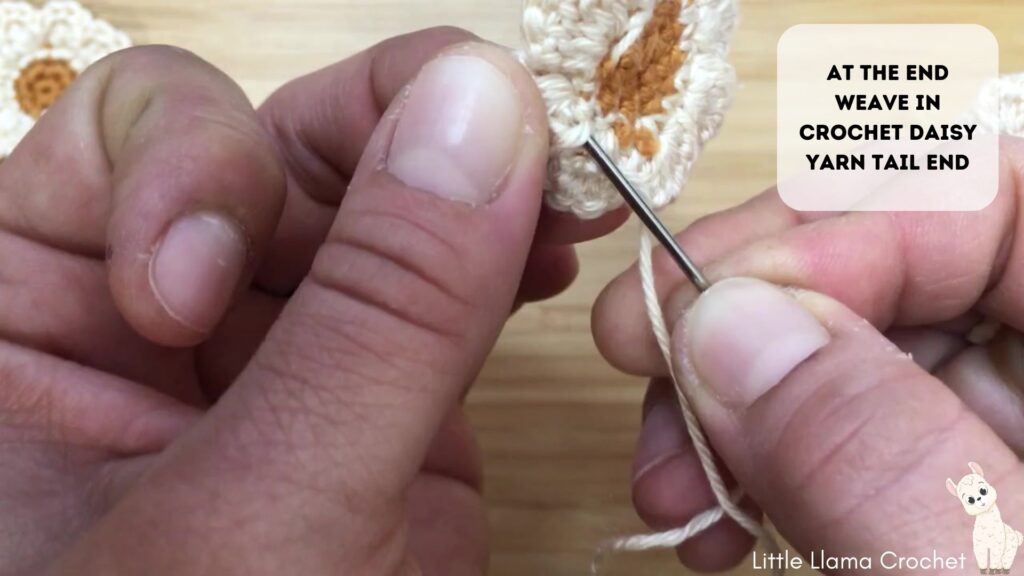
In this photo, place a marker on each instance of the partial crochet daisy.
(649, 79)
(1005, 95)
(42, 51)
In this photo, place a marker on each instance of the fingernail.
(197, 268)
(744, 336)
(459, 131)
(662, 437)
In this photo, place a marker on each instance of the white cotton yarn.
(728, 504)
(62, 30)
(1007, 96)
(566, 42)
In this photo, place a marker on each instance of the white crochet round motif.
(42, 51)
(648, 79)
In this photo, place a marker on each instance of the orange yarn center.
(41, 83)
(644, 75)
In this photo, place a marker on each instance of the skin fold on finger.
(220, 359)
(988, 377)
(45, 398)
(670, 488)
(550, 270)
(443, 512)
(81, 324)
(990, 380)
(836, 449)
(455, 453)
(895, 269)
(69, 439)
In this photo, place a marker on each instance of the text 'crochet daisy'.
(648, 79)
(42, 51)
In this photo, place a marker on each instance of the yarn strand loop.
(727, 504)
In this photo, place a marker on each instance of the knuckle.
(179, 76)
(30, 410)
(396, 267)
(447, 34)
(244, 154)
(144, 66)
(851, 440)
(171, 92)
(156, 57)
(319, 175)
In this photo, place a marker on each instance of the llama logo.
(995, 543)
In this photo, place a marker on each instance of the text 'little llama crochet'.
(649, 80)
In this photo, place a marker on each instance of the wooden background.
(557, 424)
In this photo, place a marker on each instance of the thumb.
(331, 421)
(842, 440)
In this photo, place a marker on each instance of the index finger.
(894, 269)
(322, 122)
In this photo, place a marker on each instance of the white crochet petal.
(60, 30)
(14, 124)
(566, 42)
(1007, 96)
(99, 39)
(20, 31)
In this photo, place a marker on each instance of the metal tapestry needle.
(646, 215)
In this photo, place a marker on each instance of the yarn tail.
(728, 504)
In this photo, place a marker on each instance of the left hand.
(271, 386)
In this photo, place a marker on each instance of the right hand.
(811, 401)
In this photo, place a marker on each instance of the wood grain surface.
(556, 423)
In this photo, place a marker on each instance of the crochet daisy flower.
(42, 51)
(648, 79)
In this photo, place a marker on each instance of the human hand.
(841, 438)
(163, 246)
